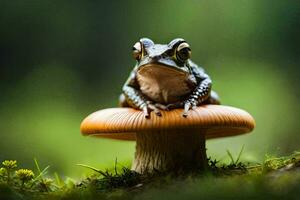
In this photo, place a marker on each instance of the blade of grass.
(116, 162)
(240, 154)
(37, 165)
(58, 180)
(230, 156)
(42, 173)
(94, 169)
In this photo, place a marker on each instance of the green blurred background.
(62, 60)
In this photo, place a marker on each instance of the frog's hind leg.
(213, 99)
(123, 101)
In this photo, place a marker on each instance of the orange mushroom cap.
(213, 120)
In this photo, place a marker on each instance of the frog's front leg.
(201, 93)
(212, 99)
(133, 97)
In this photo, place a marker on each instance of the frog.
(165, 78)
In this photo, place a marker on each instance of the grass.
(276, 178)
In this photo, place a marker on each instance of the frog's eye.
(183, 52)
(137, 51)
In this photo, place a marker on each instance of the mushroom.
(170, 142)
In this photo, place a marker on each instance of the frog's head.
(164, 57)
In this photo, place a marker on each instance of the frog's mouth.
(162, 69)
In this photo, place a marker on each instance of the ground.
(275, 178)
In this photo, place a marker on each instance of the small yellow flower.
(9, 164)
(25, 174)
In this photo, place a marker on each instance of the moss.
(274, 163)
(218, 180)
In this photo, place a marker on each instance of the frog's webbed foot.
(189, 105)
(157, 107)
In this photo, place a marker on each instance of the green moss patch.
(276, 177)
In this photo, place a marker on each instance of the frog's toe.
(185, 114)
(154, 109)
(157, 112)
(187, 106)
(146, 112)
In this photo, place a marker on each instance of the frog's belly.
(164, 86)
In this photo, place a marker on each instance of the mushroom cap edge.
(214, 120)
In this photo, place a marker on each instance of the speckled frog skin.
(164, 78)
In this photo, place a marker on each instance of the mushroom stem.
(170, 150)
